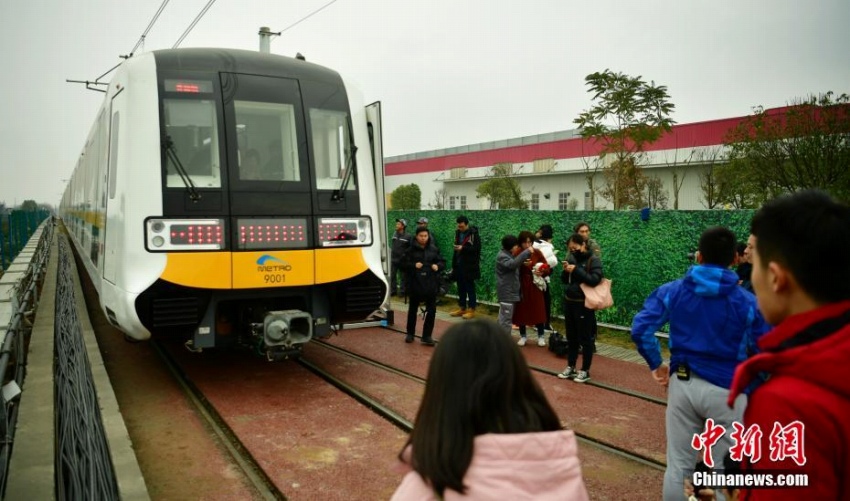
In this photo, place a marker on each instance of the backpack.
(444, 282)
(558, 344)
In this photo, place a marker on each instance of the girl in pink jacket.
(484, 429)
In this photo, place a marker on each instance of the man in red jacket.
(796, 422)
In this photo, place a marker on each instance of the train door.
(266, 146)
(373, 122)
(268, 173)
(114, 212)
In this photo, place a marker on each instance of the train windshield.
(267, 143)
(192, 127)
(332, 148)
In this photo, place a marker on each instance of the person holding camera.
(714, 326)
(466, 267)
(401, 242)
(422, 264)
(484, 429)
(508, 262)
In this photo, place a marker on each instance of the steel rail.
(243, 459)
(407, 426)
(604, 386)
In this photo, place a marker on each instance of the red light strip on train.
(335, 232)
(272, 233)
(188, 234)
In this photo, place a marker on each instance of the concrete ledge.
(31, 467)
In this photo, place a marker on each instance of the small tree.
(625, 184)
(501, 189)
(640, 115)
(406, 197)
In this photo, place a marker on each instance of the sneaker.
(470, 313)
(541, 341)
(428, 341)
(521, 341)
(582, 377)
(458, 312)
(409, 338)
(569, 373)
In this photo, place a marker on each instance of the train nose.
(287, 328)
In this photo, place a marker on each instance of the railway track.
(407, 426)
(241, 458)
(597, 384)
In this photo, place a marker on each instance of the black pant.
(430, 313)
(579, 322)
(395, 275)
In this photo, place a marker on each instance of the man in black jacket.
(466, 265)
(422, 264)
(401, 241)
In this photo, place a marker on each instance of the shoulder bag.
(597, 297)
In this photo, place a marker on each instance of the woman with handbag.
(581, 267)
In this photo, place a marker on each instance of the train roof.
(242, 61)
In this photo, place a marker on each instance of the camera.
(692, 254)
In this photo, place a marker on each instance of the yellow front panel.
(272, 269)
(206, 270)
(333, 265)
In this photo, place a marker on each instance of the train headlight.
(184, 234)
(345, 232)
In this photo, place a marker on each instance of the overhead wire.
(135, 47)
(296, 23)
(192, 26)
(150, 25)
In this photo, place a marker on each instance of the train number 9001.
(274, 278)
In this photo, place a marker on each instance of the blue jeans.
(466, 293)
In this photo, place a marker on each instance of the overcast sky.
(448, 72)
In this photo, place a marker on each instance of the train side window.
(192, 126)
(266, 137)
(331, 148)
(113, 152)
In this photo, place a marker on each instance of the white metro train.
(232, 197)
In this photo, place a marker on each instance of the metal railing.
(13, 351)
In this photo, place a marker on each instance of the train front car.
(268, 232)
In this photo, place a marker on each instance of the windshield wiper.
(171, 152)
(339, 193)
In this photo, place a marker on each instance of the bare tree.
(592, 167)
(656, 195)
(441, 199)
(708, 180)
(679, 169)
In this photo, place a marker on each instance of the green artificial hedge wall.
(637, 255)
